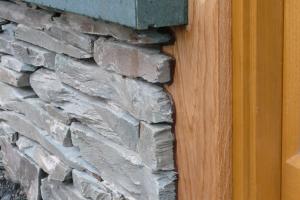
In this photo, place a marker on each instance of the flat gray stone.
(42, 39)
(6, 39)
(143, 100)
(8, 133)
(107, 119)
(33, 55)
(53, 190)
(11, 62)
(123, 167)
(11, 77)
(69, 155)
(36, 110)
(92, 188)
(133, 61)
(156, 146)
(97, 27)
(58, 114)
(51, 164)
(21, 169)
(9, 93)
(24, 15)
(82, 41)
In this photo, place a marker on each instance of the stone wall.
(84, 114)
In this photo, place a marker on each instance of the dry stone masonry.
(83, 110)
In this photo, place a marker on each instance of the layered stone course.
(83, 110)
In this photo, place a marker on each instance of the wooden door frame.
(257, 98)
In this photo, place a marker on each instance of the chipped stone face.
(33, 55)
(8, 133)
(6, 40)
(53, 190)
(122, 167)
(132, 61)
(156, 146)
(69, 155)
(82, 102)
(109, 120)
(42, 39)
(51, 164)
(11, 77)
(24, 15)
(35, 110)
(21, 169)
(92, 188)
(143, 100)
(82, 41)
(12, 63)
(9, 93)
(97, 27)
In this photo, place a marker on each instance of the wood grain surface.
(257, 99)
(202, 92)
(291, 102)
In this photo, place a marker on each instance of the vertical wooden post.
(202, 91)
(257, 98)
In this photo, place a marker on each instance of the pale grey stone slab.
(42, 39)
(51, 164)
(11, 77)
(143, 100)
(53, 190)
(58, 114)
(156, 146)
(92, 188)
(11, 62)
(21, 169)
(24, 15)
(9, 93)
(123, 167)
(82, 41)
(107, 119)
(69, 155)
(7, 132)
(33, 55)
(35, 110)
(6, 40)
(97, 27)
(133, 61)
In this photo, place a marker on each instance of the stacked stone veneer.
(84, 114)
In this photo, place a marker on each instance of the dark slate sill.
(138, 14)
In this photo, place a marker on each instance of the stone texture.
(7, 38)
(97, 27)
(91, 188)
(11, 62)
(42, 39)
(76, 39)
(132, 61)
(143, 100)
(11, 77)
(21, 170)
(33, 55)
(53, 190)
(69, 155)
(24, 15)
(122, 167)
(109, 120)
(36, 111)
(156, 146)
(51, 164)
(9, 93)
(8, 133)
